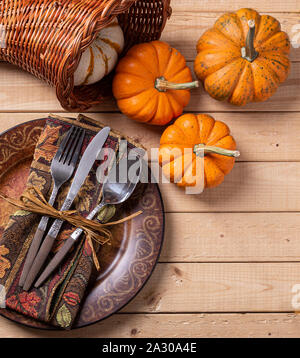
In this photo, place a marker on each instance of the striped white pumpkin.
(101, 57)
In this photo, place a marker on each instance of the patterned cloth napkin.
(57, 301)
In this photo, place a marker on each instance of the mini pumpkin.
(183, 145)
(243, 58)
(152, 83)
(101, 56)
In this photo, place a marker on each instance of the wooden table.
(231, 255)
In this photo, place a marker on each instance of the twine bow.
(34, 201)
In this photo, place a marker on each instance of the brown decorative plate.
(126, 264)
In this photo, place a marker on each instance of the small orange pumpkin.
(202, 135)
(243, 58)
(152, 83)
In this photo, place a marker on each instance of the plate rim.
(54, 328)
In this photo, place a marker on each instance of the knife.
(62, 252)
(89, 156)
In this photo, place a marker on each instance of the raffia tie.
(34, 201)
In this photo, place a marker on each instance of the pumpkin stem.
(248, 52)
(199, 149)
(162, 85)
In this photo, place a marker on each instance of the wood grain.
(226, 237)
(210, 325)
(185, 28)
(25, 93)
(218, 287)
(259, 136)
(233, 5)
(249, 187)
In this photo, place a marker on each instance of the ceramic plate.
(126, 264)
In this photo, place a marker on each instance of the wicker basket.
(47, 37)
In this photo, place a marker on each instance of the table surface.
(231, 255)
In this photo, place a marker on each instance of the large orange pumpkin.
(152, 83)
(184, 143)
(243, 58)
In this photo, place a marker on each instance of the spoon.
(113, 193)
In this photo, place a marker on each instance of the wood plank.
(216, 287)
(218, 237)
(233, 5)
(249, 187)
(259, 136)
(185, 28)
(210, 325)
(23, 92)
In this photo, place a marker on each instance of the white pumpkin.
(101, 56)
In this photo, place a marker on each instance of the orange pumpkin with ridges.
(184, 143)
(243, 58)
(152, 83)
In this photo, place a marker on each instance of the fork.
(62, 168)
